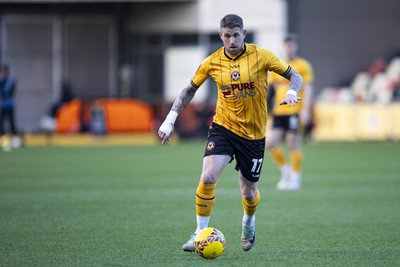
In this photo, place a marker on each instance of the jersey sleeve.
(307, 72)
(201, 74)
(275, 64)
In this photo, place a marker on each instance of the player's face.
(233, 40)
(290, 49)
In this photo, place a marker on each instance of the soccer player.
(238, 129)
(287, 120)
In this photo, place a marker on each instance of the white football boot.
(189, 245)
(248, 237)
(285, 176)
(294, 182)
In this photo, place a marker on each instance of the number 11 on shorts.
(257, 163)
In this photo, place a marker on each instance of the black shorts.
(286, 122)
(249, 153)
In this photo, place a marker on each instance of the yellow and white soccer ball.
(209, 243)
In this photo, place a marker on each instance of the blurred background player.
(288, 121)
(7, 92)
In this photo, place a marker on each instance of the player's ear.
(244, 33)
(220, 35)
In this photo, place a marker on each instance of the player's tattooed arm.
(181, 102)
(295, 80)
(184, 98)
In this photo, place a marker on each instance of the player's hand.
(290, 100)
(167, 127)
(165, 131)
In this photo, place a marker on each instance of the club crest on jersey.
(210, 146)
(235, 75)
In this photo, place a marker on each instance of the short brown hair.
(291, 37)
(231, 21)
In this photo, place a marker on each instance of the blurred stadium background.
(100, 67)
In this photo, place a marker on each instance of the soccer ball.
(209, 243)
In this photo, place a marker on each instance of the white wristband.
(291, 92)
(171, 117)
(168, 125)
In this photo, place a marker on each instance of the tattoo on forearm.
(184, 99)
(295, 80)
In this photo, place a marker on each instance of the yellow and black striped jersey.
(304, 68)
(242, 88)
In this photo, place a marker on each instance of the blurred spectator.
(381, 90)
(393, 73)
(125, 80)
(360, 86)
(98, 119)
(7, 90)
(384, 84)
(378, 66)
(195, 120)
(379, 84)
(66, 96)
(47, 122)
(206, 111)
(189, 123)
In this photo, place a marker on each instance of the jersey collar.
(238, 56)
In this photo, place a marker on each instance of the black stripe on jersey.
(252, 100)
(211, 198)
(286, 72)
(222, 82)
(194, 85)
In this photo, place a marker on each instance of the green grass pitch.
(134, 206)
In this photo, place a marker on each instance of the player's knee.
(209, 178)
(249, 193)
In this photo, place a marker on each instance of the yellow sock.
(278, 156)
(250, 206)
(296, 159)
(205, 199)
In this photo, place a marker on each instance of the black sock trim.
(204, 197)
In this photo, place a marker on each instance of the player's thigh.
(213, 165)
(292, 135)
(293, 140)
